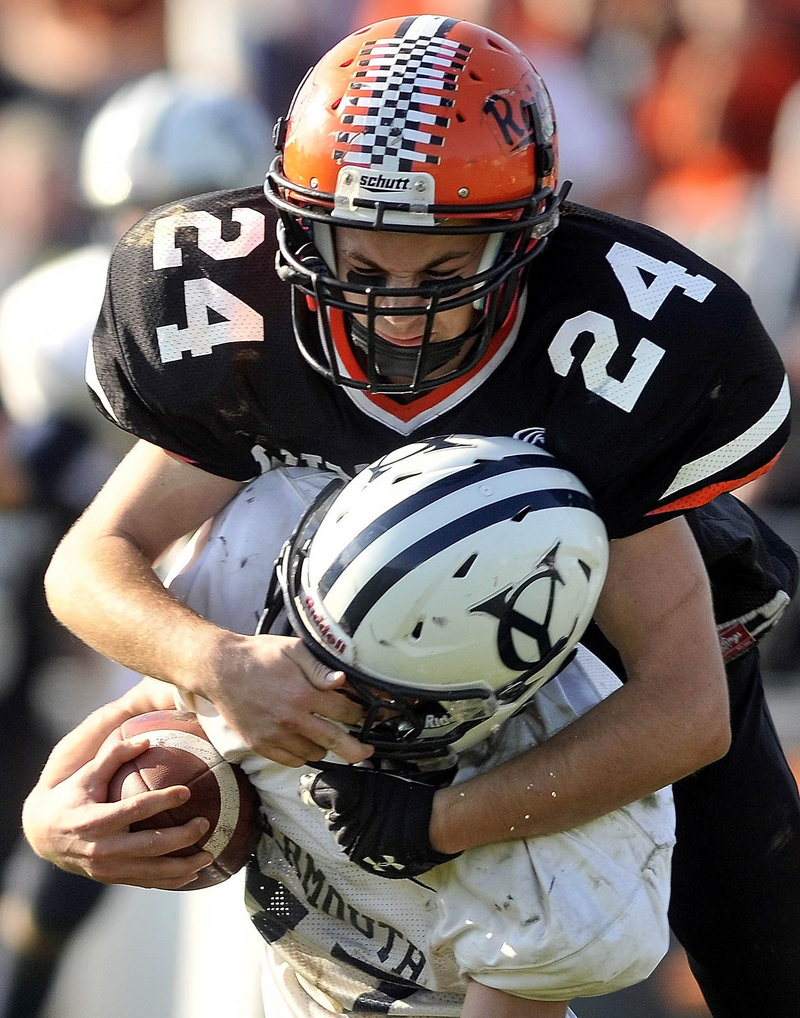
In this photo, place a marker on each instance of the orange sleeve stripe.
(707, 494)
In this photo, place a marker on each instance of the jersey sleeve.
(671, 391)
(698, 406)
(742, 430)
(189, 290)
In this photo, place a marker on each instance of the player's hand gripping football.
(67, 820)
(380, 820)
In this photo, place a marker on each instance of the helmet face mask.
(417, 125)
(448, 581)
(351, 314)
(402, 726)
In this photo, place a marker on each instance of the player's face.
(403, 261)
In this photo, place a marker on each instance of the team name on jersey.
(395, 954)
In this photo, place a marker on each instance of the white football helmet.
(167, 135)
(449, 580)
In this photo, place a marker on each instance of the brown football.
(180, 753)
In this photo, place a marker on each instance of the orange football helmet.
(418, 124)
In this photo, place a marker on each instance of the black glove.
(380, 820)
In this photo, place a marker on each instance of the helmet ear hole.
(545, 159)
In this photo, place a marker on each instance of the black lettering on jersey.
(323, 896)
(333, 903)
(280, 911)
(387, 989)
(363, 923)
(312, 879)
(412, 964)
(378, 1001)
(292, 852)
(386, 950)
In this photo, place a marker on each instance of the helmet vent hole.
(460, 118)
(464, 568)
(416, 632)
(520, 516)
(405, 477)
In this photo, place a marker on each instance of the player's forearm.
(669, 719)
(107, 593)
(625, 748)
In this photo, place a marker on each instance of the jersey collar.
(405, 418)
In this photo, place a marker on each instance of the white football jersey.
(574, 914)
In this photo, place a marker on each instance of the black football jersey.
(647, 367)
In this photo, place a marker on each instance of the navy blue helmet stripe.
(445, 537)
(480, 470)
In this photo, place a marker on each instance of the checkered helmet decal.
(398, 106)
(420, 112)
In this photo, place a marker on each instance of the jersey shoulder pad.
(190, 290)
(663, 355)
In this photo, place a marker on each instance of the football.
(180, 753)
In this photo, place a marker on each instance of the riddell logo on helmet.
(322, 627)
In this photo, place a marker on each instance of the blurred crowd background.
(684, 114)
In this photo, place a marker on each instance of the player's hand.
(380, 820)
(67, 820)
(283, 702)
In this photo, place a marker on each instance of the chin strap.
(394, 361)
